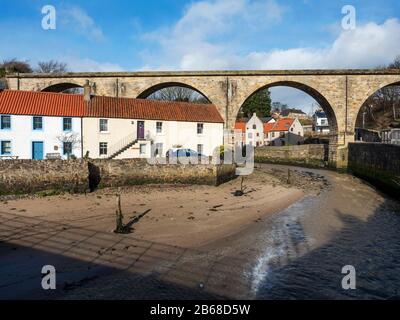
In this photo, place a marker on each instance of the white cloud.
(208, 37)
(82, 23)
(294, 98)
(89, 65)
(209, 32)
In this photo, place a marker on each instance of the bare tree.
(180, 94)
(14, 66)
(51, 66)
(382, 109)
(70, 142)
(395, 64)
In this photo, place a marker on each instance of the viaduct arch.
(340, 92)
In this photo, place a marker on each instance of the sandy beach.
(185, 216)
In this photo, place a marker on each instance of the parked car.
(183, 153)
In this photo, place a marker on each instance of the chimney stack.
(87, 91)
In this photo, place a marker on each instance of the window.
(159, 127)
(5, 122)
(37, 123)
(250, 135)
(67, 148)
(103, 148)
(143, 149)
(103, 125)
(254, 127)
(5, 148)
(67, 124)
(200, 149)
(159, 149)
(200, 128)
(273, 134)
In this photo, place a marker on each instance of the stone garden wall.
(78, 176)
(308, 155)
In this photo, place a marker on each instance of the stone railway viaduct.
(341, 93)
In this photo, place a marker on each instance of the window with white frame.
(159, 127)
(103, 125)
(5, 122)
(103, 148)
(5, 148)
(200, 128)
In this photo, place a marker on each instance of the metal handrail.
(122, 144)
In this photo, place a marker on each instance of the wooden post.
(119, 216)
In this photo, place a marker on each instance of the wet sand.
(185, 216)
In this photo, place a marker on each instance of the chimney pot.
(87, 91)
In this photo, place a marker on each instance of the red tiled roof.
(240, 126)
(69, 105)
(110, 107)
(41, 104)
(268, 126)
(283, 124)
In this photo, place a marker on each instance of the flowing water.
(303, 249)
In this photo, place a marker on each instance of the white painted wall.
(255, 131)
(22, 135)
(321, 124)
(174, 134)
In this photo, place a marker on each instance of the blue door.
(37, 150)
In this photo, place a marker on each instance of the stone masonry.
(341, 93)
(310, 155)
(78, 176)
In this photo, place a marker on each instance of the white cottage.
(123, 128)
(255, 131)
(38, 125)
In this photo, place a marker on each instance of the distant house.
(308, 128)
(275, 114)
(293, 114)
(240, 132)
(284, 132)
(251, 131)
(320, 122)
(255, 131)
(391, 136)
(259, 133)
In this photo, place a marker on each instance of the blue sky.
(105, 35)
